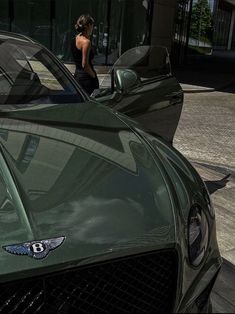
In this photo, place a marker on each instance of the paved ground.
(206, 135)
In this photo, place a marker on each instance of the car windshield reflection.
(28, 75)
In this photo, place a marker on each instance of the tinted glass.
(4, 15)
(28, 75)
(129, 26)
(66, 15)
(181, 30)
(201, 27)
(32, 18)
(119, 24)
(147, 62)
(222, 28)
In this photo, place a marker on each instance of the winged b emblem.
(35, 249)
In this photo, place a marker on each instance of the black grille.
(137, 284)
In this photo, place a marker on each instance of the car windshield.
(29, 75)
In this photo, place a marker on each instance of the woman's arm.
(85, 58)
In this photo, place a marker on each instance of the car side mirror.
(126, 80)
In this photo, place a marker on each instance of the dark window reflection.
(4, 15)
(119, 26)
(181, 30)
(28, 75)
(222, 28)
(193, 28)
(200, 37)
(33, 18)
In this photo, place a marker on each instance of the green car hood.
(80, 173)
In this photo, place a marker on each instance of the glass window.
(193, 28)
(119, 24)
(222, 27)
(181, 30)
(4, 15)
(233, 39)
(66, 15)
(201, 28)
(129, 26)
(28, 75)
(145, 62)
(32, 18)
(46, 77)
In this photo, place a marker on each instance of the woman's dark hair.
(83, 22)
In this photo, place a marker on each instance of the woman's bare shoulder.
(82, 41)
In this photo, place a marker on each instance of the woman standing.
(83, 54)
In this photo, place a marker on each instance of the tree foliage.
(201, 20)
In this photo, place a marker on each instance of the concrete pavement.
(206, 136)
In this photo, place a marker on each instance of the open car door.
(141, 86)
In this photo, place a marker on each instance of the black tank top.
(77, 55)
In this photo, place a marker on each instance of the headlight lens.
(198, 235)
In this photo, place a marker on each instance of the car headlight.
(198, 236)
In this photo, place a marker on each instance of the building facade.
(183, 26)
(224, 36)
(119, 24)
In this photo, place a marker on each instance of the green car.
(97, 213)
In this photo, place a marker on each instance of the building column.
(230, 38)
(163, 22)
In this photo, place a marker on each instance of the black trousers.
(88, 83)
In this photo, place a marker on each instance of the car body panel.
(143, 88)
(49, 160)
(91, 174)
(156, 106)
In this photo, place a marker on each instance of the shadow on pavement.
(215, 71)
(214, 186)
(223, 294)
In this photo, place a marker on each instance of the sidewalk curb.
(205, 89)
(199, 90)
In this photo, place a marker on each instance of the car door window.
(30, 75)
(142, 65)
(45, 76)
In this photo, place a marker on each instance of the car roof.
(4, 35)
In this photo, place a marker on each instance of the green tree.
(201, 21)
